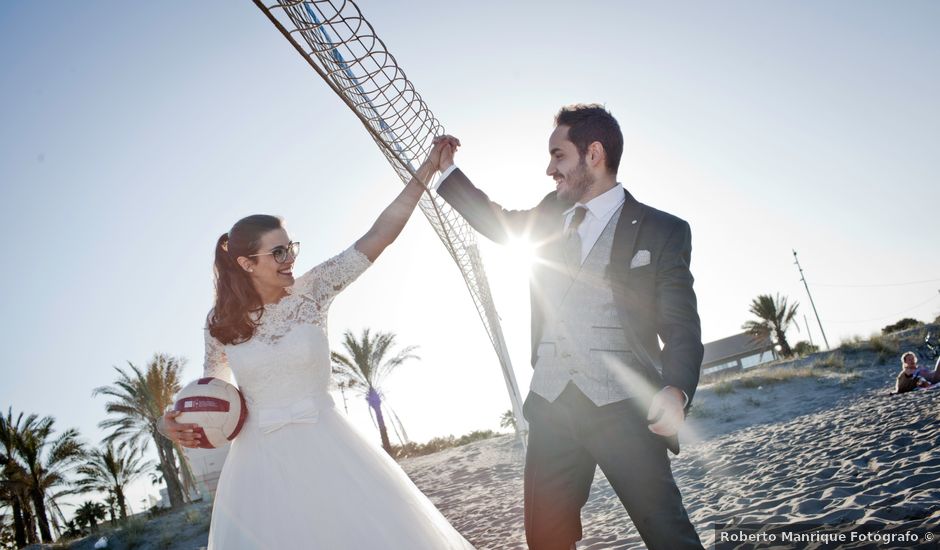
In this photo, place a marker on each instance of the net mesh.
(340, 44)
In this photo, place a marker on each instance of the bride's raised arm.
(392, 220)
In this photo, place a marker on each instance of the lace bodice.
(288, 357)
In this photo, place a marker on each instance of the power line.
(925, 302)
(880, 285)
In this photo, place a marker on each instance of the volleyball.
(216, 407)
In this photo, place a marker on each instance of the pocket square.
(641, 258)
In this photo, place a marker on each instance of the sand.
(831, 448)
(801, 443)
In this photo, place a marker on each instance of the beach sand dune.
(824, 449)
(817, 440)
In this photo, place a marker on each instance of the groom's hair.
(592, 122)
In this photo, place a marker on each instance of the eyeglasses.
(282, 253)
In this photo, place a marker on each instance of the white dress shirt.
(600, 210)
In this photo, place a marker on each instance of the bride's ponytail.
(237, 304)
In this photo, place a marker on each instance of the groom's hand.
(666, 413)
(442, 155)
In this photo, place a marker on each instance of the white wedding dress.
(298, 475)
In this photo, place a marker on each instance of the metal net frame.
(339, 43)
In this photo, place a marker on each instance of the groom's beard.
(576, 184)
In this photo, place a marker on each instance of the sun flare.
(521, 254)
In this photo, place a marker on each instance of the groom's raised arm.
(489, 218)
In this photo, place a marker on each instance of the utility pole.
(803, 278)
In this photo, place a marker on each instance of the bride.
(298, 475)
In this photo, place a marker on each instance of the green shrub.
(804, 348)
(903, 324)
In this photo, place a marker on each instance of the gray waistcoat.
(583, 341)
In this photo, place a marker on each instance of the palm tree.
(14, 482)
(111, 503)
(72, 529)
(90, 513)
(139, 399)
(7, 537)
(774, 317)
(342, 385)
(508, 420)
(110, 471)
(366, 367)
(47, 463)
(12, 496)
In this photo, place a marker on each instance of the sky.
(133, 134)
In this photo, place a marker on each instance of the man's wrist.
(444, 173)
(683, 397)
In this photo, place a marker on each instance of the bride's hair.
(238, 305)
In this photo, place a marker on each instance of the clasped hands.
(442, 152)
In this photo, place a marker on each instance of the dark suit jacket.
(653, 301)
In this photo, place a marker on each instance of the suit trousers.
(568, 439)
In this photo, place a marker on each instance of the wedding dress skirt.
(299, 476)
(321, 485)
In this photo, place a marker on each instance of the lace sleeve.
(216, 362)
(325, 281)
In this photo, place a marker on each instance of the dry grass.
(701, 412)
(134, 533)
(774, 376)
(885, 346)
(854, 344)
(833, 361)
(777, 375)
(724, 387)
(411, 449)
(849, 379)
(197, 517)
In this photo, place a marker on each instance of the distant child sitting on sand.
(912, 377)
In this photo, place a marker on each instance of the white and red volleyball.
(214, 405)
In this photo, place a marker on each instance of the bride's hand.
(184, 434)
(442, 154)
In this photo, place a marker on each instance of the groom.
(611, 279)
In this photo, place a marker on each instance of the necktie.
(573, 239)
